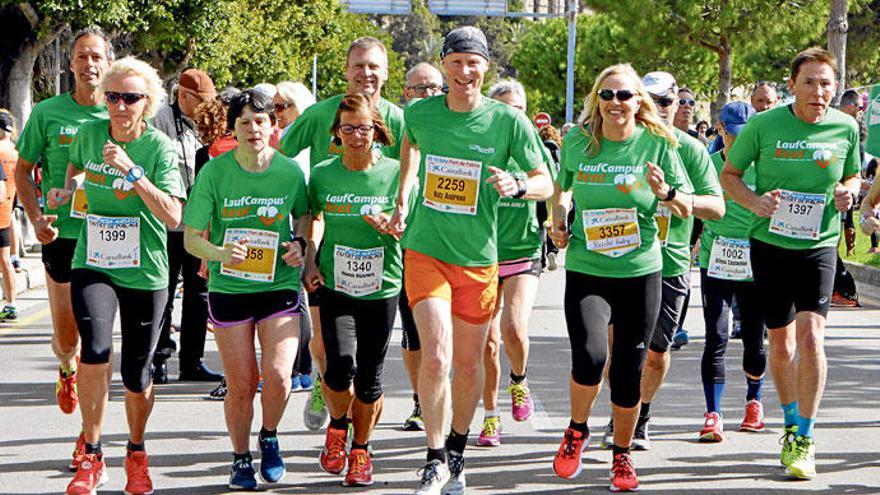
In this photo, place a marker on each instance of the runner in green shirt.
(358, 281)
(244, 200)
(619, 170)
(520, 240)
(134, 192)
(806, 162)
(675, 235)
(46, 139)
(459, 145)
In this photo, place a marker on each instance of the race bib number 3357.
(452, 185)
(612, 232)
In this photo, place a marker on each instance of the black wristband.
(302, 243)
(671, 194)
(523, 188)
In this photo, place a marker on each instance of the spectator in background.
(553, 141)
(567, 127)
(851, 104)
(703, 132)
(764, 96)
(291, 99)
(870, 174)
(8, 157)
(684, 116)
(422, 80)
(176, 121)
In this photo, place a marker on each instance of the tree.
(863, 38)
(837, 29)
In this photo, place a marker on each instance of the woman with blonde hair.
(618, 168)
(134, 192)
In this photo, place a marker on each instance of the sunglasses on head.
(687, 101)
(664, 101)
(127, 98)
(621, 94)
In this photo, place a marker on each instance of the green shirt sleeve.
(701, 172)
(853, 163)
(526, 145)
(673, 168)
(568, 161)
(76, 149)
(746, 148)
(32, 140)
(200, 205)
(407, 129)
(300, 198)
(395, 124)
(300, 134)
(167, 176)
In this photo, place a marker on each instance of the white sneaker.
(456, 483)
(433, 477)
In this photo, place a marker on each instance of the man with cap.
(46, 139)
(725, 274)
(675, 237)
(459, 146)
(176, 121)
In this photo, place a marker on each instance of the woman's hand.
(116, 157)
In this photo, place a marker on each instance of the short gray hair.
(507, 86)
(296, 93)
(109, 52)
(412, 70)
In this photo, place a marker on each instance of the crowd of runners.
(325, 220)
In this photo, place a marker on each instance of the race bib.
(612, 232)
(259, 265)
(729, 259)
(452, 185)
(799, 215)
(663, 217)
(78, 204)
(113, 242)
(358, 272)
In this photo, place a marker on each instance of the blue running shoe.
(243, 476)
(305, 382)
(295, 383)
(271, 464)
(680, 339)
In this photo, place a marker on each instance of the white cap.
(660, 83)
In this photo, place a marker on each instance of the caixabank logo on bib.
(99, 174)
(266, 210)
(821, 154)
(623, 177)
(350, 204)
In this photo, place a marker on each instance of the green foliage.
(863, 40)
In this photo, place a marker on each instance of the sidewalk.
(32, 274)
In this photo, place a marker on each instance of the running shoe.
(9, 313)
(456, 484)
(680, 339)
(490, 435)
(16, 264)
(360, 469)
(736, 332)
(552, 263)
(243, 476)
(608, 436)
(333, 455)
(803, 458)
(520, 401)
(432, 478)
(296, 383)
(787, 455)
(90, 475)
(305, 382)
(271, 462)
(65, 392)
(839, 301)
(315, 413)
(218, 393)
(79, 450)
(414, 422)
(640, 440)
(623, 474)
(713, 428)
(754, 419)
(567, 463)
(137, 471)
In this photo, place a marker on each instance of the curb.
(864, 274)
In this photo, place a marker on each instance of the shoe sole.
(488, 443)
(242, 487)
(126, 492)
(357, 483)
(412, 427)
(753, 429)
(798, 474)
(621, 490)
(321, 464)
(711, 437)
(262, 477)
(101, 482)
(641, 445)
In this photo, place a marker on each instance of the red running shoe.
(713, 428)
(567, 463)
(623, 474)
(138, 473)
(65, 392)
(79, 450)
(90, 475)
(360, 469)
(333, 455)
(754, 420)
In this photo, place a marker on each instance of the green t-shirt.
(701, 180)
(312, 129)
(239, 204)
(611, 191)
(735, 222)
(48, 133)
(519, 233)
(355, 259)
(456, 216)
(109, 195)
(792, 155)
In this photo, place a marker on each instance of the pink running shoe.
(521, 401)
(490, 435)
(754, 419)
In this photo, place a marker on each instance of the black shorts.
(57, 258)
(792, 280)
(229, 310)
(672, 300)
(507, 269)
(5, 240)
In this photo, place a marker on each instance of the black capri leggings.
(718, 296)
(356, 333)
(632, 306)
(95, 299)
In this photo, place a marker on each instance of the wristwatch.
(671, 194)
(134, 174)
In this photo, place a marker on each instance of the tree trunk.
(725, 73)
(837, 29)
(21, 74)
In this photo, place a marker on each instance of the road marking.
(540, 419)
(24, 322)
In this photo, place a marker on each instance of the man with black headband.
(459, 146)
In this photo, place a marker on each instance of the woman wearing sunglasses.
(133, 190)
(358, 274)
(618, 169)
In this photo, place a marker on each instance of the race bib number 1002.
(452, 185)
(799, 215)
(259, 265)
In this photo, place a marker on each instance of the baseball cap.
(734, 116)
(7, 122)
(199, 82)
(466, 39)
(659, 83)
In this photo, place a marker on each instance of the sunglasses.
(127, 98)
(363, 130)
(687, 101)
(621, 94)
(421, 88)
(664, 102)
(280, 107)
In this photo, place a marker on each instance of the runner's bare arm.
(560, 204)
(870, 223)
(708, 206)
(845, 192)
(294, 254)
(311, 275)
(27, 194)
(681, 205)
(60, 196)
(166, 207)
(196, 244)
(409, 168)
(732, 183)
